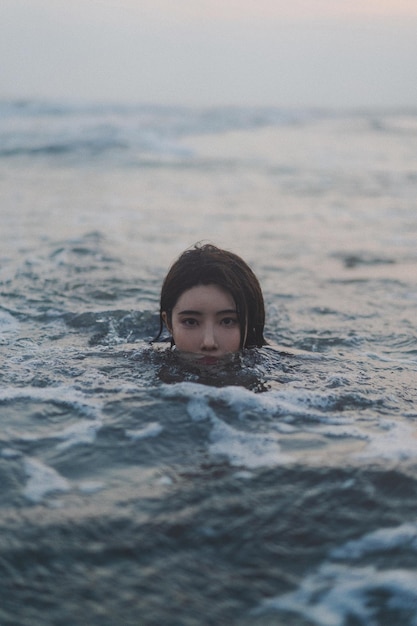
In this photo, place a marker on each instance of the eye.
(189, 322)
(229, 322)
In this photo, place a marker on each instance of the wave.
(337, 592)
(46, 129)
(291, 426)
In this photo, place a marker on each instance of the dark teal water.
(281, 489)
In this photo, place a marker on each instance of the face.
(205, 323)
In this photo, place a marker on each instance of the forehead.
(205, 297)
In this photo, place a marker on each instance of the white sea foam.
(153, 429)
(10, 453)
(345, 429)
(165, 481)
(42, 480)
(335, 592)
(394, 441)
(381, 540)
(291, 412)
(246, 449)
(289, 403)
(198, 409)
(90, 486)
(240, 447)
(82, 432)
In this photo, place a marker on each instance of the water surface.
(281, 490)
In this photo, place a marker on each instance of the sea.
(279, 489)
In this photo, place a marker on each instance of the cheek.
(183, 339)
(230, 340)
(236, 341)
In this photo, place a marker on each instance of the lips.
(208, 360)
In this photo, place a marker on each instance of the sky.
(331, 53)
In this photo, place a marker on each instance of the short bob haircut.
(208, 265)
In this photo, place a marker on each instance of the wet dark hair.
(206, 265)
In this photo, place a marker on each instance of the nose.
(208, 340)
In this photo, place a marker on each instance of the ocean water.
(281, 490)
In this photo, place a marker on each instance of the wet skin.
(205, 323)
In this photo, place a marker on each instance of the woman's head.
(232, 295)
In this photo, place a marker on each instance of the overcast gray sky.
(266, 52)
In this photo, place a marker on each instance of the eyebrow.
(223, 312)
